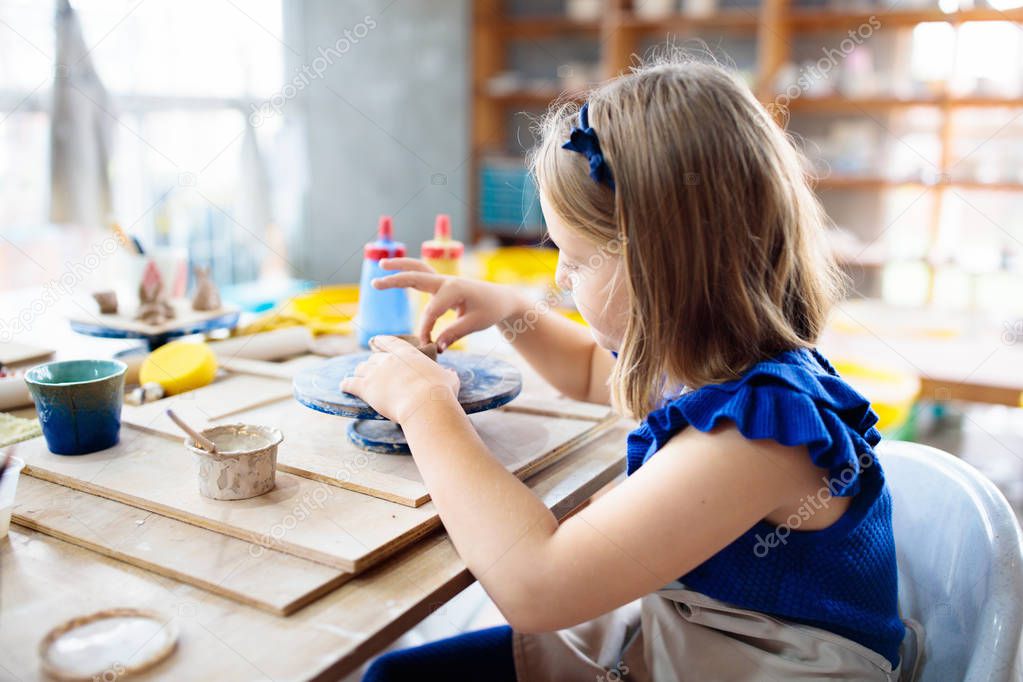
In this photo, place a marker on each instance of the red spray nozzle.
(442, 227)
(384, 246)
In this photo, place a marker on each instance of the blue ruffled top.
(842, 578)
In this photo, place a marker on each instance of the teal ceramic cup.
(79, 403)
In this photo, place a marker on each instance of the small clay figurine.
(206, 295)
(107, 301)
(153, 305)
(427, 349)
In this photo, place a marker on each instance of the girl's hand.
(478, 304)
(399, 379)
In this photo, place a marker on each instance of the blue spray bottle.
(381, 311)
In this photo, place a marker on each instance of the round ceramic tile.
(109, 643)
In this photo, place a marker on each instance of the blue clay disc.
(378, 436)
(485, 383)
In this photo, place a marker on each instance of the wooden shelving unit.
(853, 104)
(546, 26)
(739, 21)
(618, 32)
(867, 182)
(804, 20)
(773, 26)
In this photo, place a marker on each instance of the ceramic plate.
(107, 644)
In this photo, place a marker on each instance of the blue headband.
(583, 140)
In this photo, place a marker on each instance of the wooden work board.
(523, 442)
(14, 353)
(125, 322)
(180, 535)
(249, 574)
(525, 435)
(324, 523)
(329, 524)
(139, 502)
(228, 394)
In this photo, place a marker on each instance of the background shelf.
(927, 135)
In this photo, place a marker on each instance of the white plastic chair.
(960, 558)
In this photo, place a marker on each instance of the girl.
(752, 539)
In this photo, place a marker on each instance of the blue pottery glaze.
(382, 437)
(79, 403)
(485, 383)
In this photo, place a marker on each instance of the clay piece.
(427, 349)
(244, 464)
(153, 305)
(146, 393)
(206, 297)
(107, 301)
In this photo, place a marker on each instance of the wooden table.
(44, 581)
(956, 356)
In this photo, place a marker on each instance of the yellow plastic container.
(444, 255)
(326, 310)
(892, 393)
(524, 266)
(521, 265)
(179, 366)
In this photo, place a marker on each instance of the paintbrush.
(197, 438)
(130, 242)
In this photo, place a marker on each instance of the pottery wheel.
(485, 383)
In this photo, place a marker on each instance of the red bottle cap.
(384, 246)
(442, 245)
(442, 226)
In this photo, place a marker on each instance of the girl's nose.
(563, 279)
(563, 276)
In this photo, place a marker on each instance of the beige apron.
(678, 634)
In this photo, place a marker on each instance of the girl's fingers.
(423, 281)
(374, 345)
(365, 366)
(464, 325)
(435, 307)
(405, 264)
(352, 385)
(393, 345)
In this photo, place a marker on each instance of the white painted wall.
(381, 100)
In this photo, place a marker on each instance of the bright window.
(183, 76)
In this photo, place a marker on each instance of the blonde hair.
(717, 226)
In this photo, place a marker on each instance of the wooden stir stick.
(199, 439)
